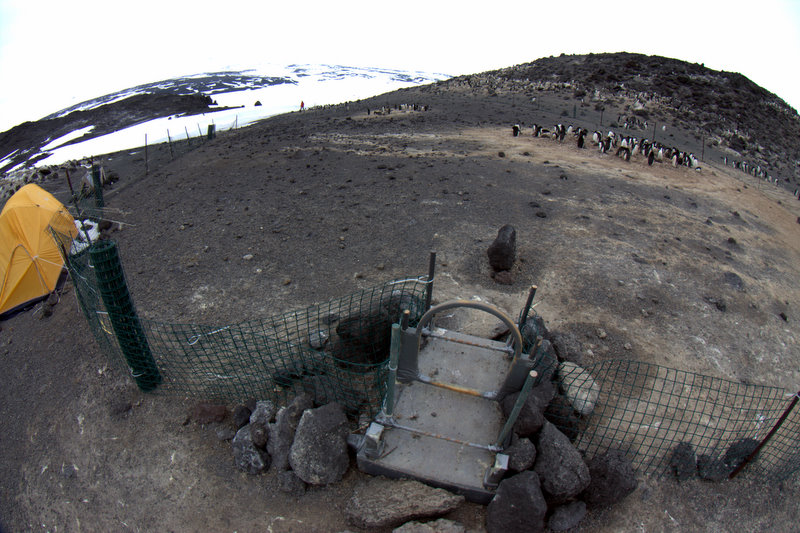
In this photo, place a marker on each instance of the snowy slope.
(279, 89)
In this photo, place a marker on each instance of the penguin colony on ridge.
(627, 146)
(624, 146)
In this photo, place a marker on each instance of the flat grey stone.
(384, 502)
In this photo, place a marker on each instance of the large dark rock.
(559, 465)
(612, 478)
(503, 249)
(738, 452)
(259, 420)
(518, 506)
(683, 461)
(318, 454)
(567, 347)
(531, 416)
(560, 412)
(246, 455)
(382, 502)
(567, 516)
(521, 455)
(281, 433)
(534, 327)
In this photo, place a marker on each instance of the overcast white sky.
(54, 53)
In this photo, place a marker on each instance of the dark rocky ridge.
(726, 108)
(29, 137)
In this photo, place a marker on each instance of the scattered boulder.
(441, 525)
(319, 454)
(579, 387)
(567, 347)
(612, 478)
(683, 461)
(241, 416)
(518, 505)
(567, 516)
(282, 431)
(259, 422)
(246, 455)
(521, 455)
(382, 502)
(503, 250)
(206, 413)
(733, 279)
(559, 464)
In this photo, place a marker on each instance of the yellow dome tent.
(30, 263)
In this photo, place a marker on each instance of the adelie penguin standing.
(580, 139)
(515, 130)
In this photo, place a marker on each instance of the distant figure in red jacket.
(302, 105)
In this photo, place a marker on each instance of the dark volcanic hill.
(725, 108)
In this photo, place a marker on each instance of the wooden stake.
(768, 437)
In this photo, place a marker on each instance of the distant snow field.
(314, 85)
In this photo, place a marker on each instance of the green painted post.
(119, 305)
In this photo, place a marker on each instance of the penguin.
(651, 157)
(515, 130)
(580, 139)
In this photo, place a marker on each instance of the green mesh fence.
(648, 411)
(336, 351)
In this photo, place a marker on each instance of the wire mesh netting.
(339, 350)
(657, 415)
(335, 351)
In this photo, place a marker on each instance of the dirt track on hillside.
(330, 201)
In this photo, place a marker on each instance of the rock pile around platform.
(304, 444)
(548, 476)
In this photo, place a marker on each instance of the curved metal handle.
(428, 316)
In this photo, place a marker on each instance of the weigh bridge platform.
(442, 423)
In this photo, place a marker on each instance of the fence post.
(98, 188)
(146, 162)
(169, 141)
(768, 437)
(119, 305)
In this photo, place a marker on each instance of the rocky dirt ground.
(330, 201)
